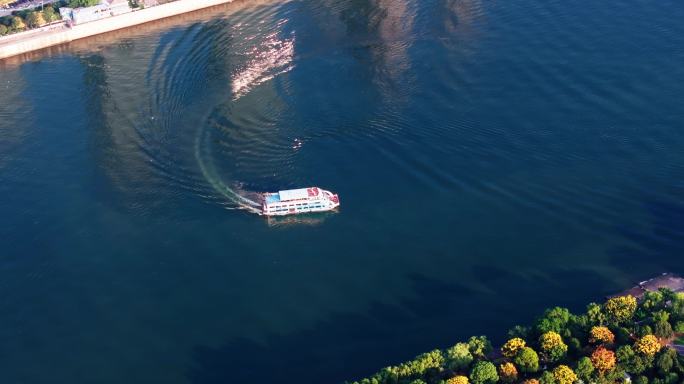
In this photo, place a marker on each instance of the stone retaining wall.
(16, 45)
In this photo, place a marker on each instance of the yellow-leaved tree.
(512, 346)
(601, 335)
(564, 375)
(457, 380)
(552, 346)
(620, 309)
(648, 345)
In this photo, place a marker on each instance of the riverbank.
(622, 340)
(29, 41)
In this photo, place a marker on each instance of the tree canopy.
(601, 345)
(82, 3)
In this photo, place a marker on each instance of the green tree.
(677, 307)
(584, 369)
(484, 372)
(662, 327)
(652, 300)
(578, 326)
(34, 19)
(640, 380)
(554, 320)
(631, 361)
(479, 346)
(527, 360)
(595, 314)
(49, 14)
(458, 357)
(667, 361)
(547, 378)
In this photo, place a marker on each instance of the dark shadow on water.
(347, 346)
(659, 249)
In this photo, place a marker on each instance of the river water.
(492, 158)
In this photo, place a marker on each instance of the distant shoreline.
(29, 41)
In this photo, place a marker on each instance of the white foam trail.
(219, 186)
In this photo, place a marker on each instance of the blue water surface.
(493, 158)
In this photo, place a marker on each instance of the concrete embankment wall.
(36, 41)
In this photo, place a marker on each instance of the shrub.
(527, 360)
(508, 373)
(647, 345)
(17, 23)
(564, 375)
(601, 335)
(603, 360)
(3, 30)
(512, 346)
(531, 381)
(484, 372)
(552, 346)
(620, 309)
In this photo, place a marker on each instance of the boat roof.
(296, 194)
(272, 198)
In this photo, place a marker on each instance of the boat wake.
(233, 194)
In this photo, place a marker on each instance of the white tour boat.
(301, 200)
